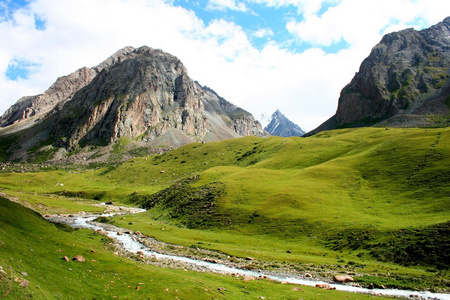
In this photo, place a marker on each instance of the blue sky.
(263, 55)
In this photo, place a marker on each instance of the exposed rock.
(24, 283)
(78, 258)
(66, 258)
(343, 278)
(280, 125)
(144, 95)
(325, 286)
(246, 278)
(406, 75)
(37, 106)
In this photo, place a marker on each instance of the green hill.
(367, 201)
(31, 257)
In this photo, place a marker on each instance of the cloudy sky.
(262, 55)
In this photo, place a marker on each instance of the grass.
(264, 197)
(32, 249)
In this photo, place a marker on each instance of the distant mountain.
(405, 82)
(281, 126)
(142, 95)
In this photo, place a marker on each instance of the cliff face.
(403, 73)
(404, 79)
(141, 94)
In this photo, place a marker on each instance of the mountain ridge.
(404, 82)
(144, 95)
(280, 125)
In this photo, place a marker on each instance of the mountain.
(404, 82)
(143, 96)
(281, 126)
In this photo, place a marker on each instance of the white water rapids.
(131, 245)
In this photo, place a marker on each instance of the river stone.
(343, 278)
(325, 286)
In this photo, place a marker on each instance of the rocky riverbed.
(134, 244)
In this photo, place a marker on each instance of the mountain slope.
(404, 82)
(370, 196)
(144, 95)
(281, 126)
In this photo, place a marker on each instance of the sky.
(262, 55)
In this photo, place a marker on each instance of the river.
(130, 243)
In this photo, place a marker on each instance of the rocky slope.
(280, 125)
(405, 81)
(143, 95)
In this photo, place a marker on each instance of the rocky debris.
(78, 258)
(194, 253)
(24, 283)
(325, 287)
(406, 75)
(342, 278)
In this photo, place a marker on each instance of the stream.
(131, 244)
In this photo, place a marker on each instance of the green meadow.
(370, 202)
(32, 250)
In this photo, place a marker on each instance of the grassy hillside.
(362, 201)
(31, 252)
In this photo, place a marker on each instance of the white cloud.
(304, 86)
(226, 4)
(304, 7)
(263, 32)
(359, 22)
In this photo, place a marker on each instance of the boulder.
(78, 258)
(343, 278)
(325, 287)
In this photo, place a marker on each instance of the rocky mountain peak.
(144, 95)
(405, 78)
(280, 125)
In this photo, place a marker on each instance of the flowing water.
(132, 245)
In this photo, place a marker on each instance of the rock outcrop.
(144, 95)
(280, 125)
(37, 106)
(405, 78)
